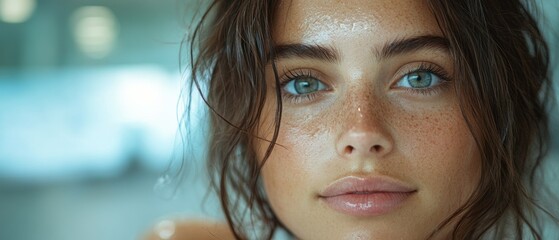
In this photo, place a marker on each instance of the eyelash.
(290, 75)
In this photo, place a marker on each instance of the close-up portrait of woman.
(375, 119)
(279, 120)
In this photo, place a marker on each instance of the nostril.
(375, 148)
(349, 149)
(362, 144)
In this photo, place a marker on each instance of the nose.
(365, 136)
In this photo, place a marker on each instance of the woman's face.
(372, 143)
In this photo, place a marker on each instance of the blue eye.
(303, 85)
(419, 79)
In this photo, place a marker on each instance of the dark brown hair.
(502, 72)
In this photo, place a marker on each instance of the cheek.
(296, 164)
(443, 157)
(286, 160)
(301, 143)
(439, 135)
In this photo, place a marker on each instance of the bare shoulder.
(192, 229)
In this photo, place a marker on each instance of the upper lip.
(354, 185)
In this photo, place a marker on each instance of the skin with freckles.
(362, 113)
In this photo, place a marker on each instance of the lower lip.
(368, 204)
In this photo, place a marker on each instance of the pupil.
(420, 80)
(305, 86)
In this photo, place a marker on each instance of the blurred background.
(89, 109)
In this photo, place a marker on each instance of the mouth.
(366, 196)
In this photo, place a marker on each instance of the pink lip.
(366, 196)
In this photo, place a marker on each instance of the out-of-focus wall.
(89, 113)
(88, 86)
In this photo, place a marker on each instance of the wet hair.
(501, 64)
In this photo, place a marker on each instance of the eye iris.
(420, 79)
(306, 85)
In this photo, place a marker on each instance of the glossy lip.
(371, 196)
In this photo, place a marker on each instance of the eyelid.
(287, 75)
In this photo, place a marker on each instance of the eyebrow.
(391, 49)
(406, 45)
(298, 50)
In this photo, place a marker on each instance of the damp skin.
(365, 121)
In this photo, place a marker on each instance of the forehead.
(324, 21)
